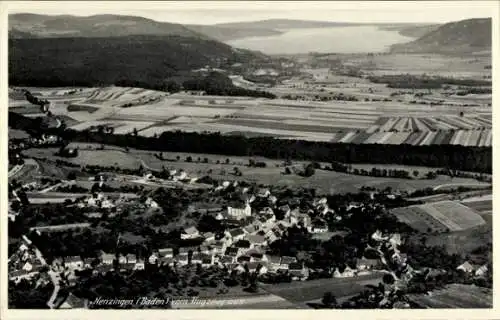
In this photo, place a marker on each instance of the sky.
(212, 12)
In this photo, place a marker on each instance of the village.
(255, 220)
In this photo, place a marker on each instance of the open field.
(478, 204)
(324, 181)
(257, 301)
(439, 216)
(461, 242)
(418, 64)
(456, 296)
(383, 122)
(24, 173)
(303, 291)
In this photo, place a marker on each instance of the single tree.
(329, 300)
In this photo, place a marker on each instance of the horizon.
(219, 12)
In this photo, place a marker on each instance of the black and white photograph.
(249, 155)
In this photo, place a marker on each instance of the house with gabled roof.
(218, 247)
(72, 302)
(271, 236)
(395, 240)
(286, 261)
(131, 258)
(259, 267)
(166, 252)
(227, 259)
(239, 213)
(256, 240)
(243, 259)
(205, 249)
(235, 234)
(367, 264)
(285, 210)
(272, 200)
(378, 236)
(263, 193)
(319, 226)
(243, 244)
(207, 261)
(125, 267)
(481, 271)
(197, 258)
(232, 252)
(347, 273)
(298, 271)
(209, 237)
(235, 267)
(88, 262)
(73, 262)
(139, 264)
(250, 229)
(190, 233)
(184, 251)
(266, 211)
(466, 267)
(166, 261)
(107, 258)
(27, 266)
(273, 262)
(102, 269)
(182, 260)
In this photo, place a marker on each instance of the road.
(469, 185)
(15, 170)
(54, 276)
(60, 184)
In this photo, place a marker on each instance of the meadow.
(456, 296)
(221, 168)
(441, 216)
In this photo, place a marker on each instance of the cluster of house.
(174, 175)
(473, 269)
(245, 245)
(24, 264)
(101, 201)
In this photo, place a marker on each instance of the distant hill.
(284, 24)
(464, 36)
(148, 60)
(226, 33)
(238, 30)
(26, 25)
(412, 30)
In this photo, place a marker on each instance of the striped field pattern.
(153, 112)
(439, 216)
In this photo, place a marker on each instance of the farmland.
(456, 296)
(439, 216)
(388, 119)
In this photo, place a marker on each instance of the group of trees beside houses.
(219, 84)
(407, 81)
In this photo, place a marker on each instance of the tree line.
(465, 158)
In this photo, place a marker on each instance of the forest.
(477, 159)
(456, 157)
(148, 60)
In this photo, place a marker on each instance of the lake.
(359, 39)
